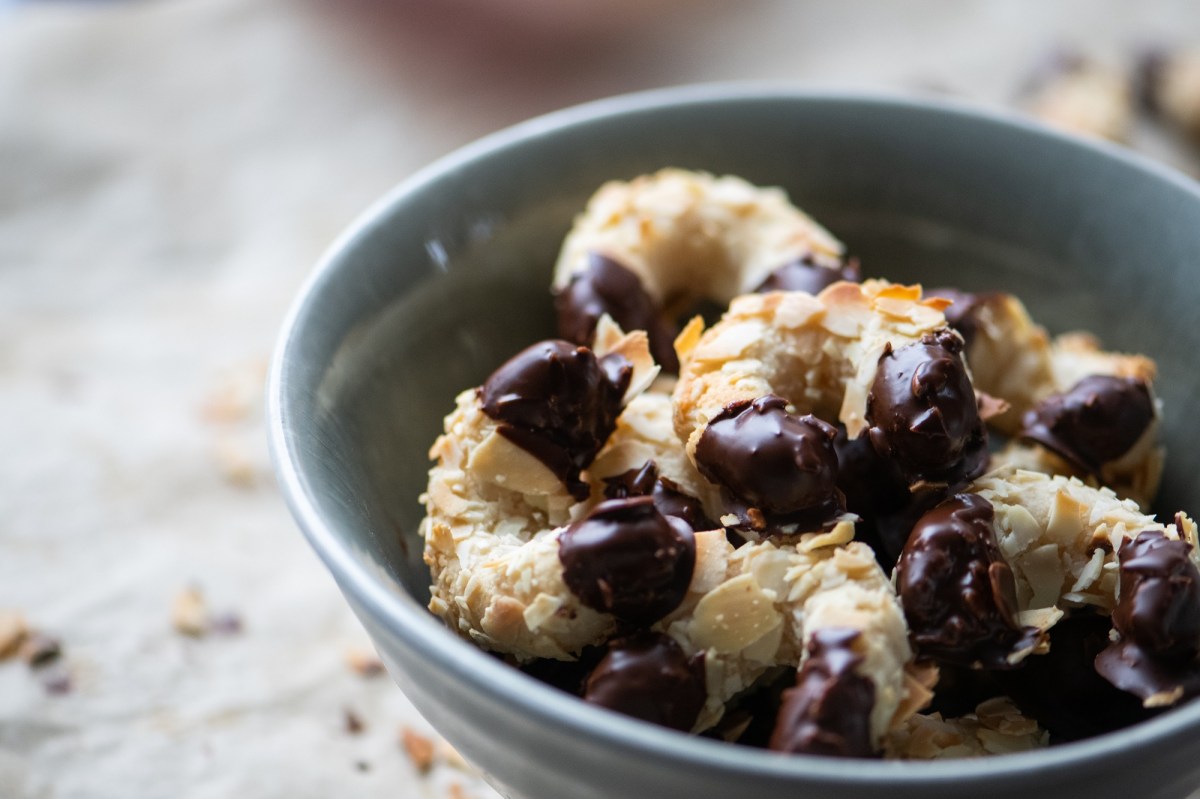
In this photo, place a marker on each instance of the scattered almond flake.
(362, 765)
(418, 748)
(455, 791)
(235, 461)
(39, 649)
(452, 758)
(13, 631)
(189, 612)
(363, 663)
(236, 393)
(226, 623)
(351, 722)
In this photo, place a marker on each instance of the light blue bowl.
(447, 276)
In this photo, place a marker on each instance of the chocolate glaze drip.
(923, 412)
(878, 493)
(648, 676)
(627, 559)
(959, 596)
(804, 274)
(607, 287)
(963, 313)
(1098, 420)
(829, 710)
(558, 402)
(1158, 619)
(1062, 690)
(669, 500)
(772, 462)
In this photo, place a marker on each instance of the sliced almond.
(501, 462)
(733, 616)
(687, 339)
(13, 630)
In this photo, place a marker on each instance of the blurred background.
(170, 170)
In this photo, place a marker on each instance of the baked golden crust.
(691, 235)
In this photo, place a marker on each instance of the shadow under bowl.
(448, 275)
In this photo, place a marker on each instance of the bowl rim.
(403, 616)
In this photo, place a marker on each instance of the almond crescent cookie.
(986, 574)
(758, 390)
(1074, 408)
(647, 250)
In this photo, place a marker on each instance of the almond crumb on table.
(419, 748)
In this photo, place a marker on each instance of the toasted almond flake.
(235, 461)
(1091, 571)
(1041, 618)
(542, 608)
(687, 339)
(419, 749)
(798, 310)
(452, 758)
(731, 342)
(842, 533)
(189, 612)
(1066, 522)
(712, 559)
(1042, 570)
(362, 662)
(733, 615)
(13, 631)
(499, 461)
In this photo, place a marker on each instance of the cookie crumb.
(235, 462)
(418, 748)
(39, 649)
(455, 791)
(57, 682)
(363, 663)
(236, 393)
(13, 631)
(189, 612)
(352, 723)
(227, 623)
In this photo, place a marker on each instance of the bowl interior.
(449, 276)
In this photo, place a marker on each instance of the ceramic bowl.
(445, 277)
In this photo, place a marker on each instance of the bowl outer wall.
(529, 737)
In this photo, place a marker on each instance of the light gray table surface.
(169, 172)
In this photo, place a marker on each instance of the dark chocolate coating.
(963, 313)
(805, 275)
(878, 493)
(770, 459)
(829, 710)
(958, 594)
(627, 559)
(1158, 618)
(649, 677)
(1062, 690)
(923, 412)
(560, 403)
(669, 500)
(1098, 420)
(607, 287)
(1159, 605)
